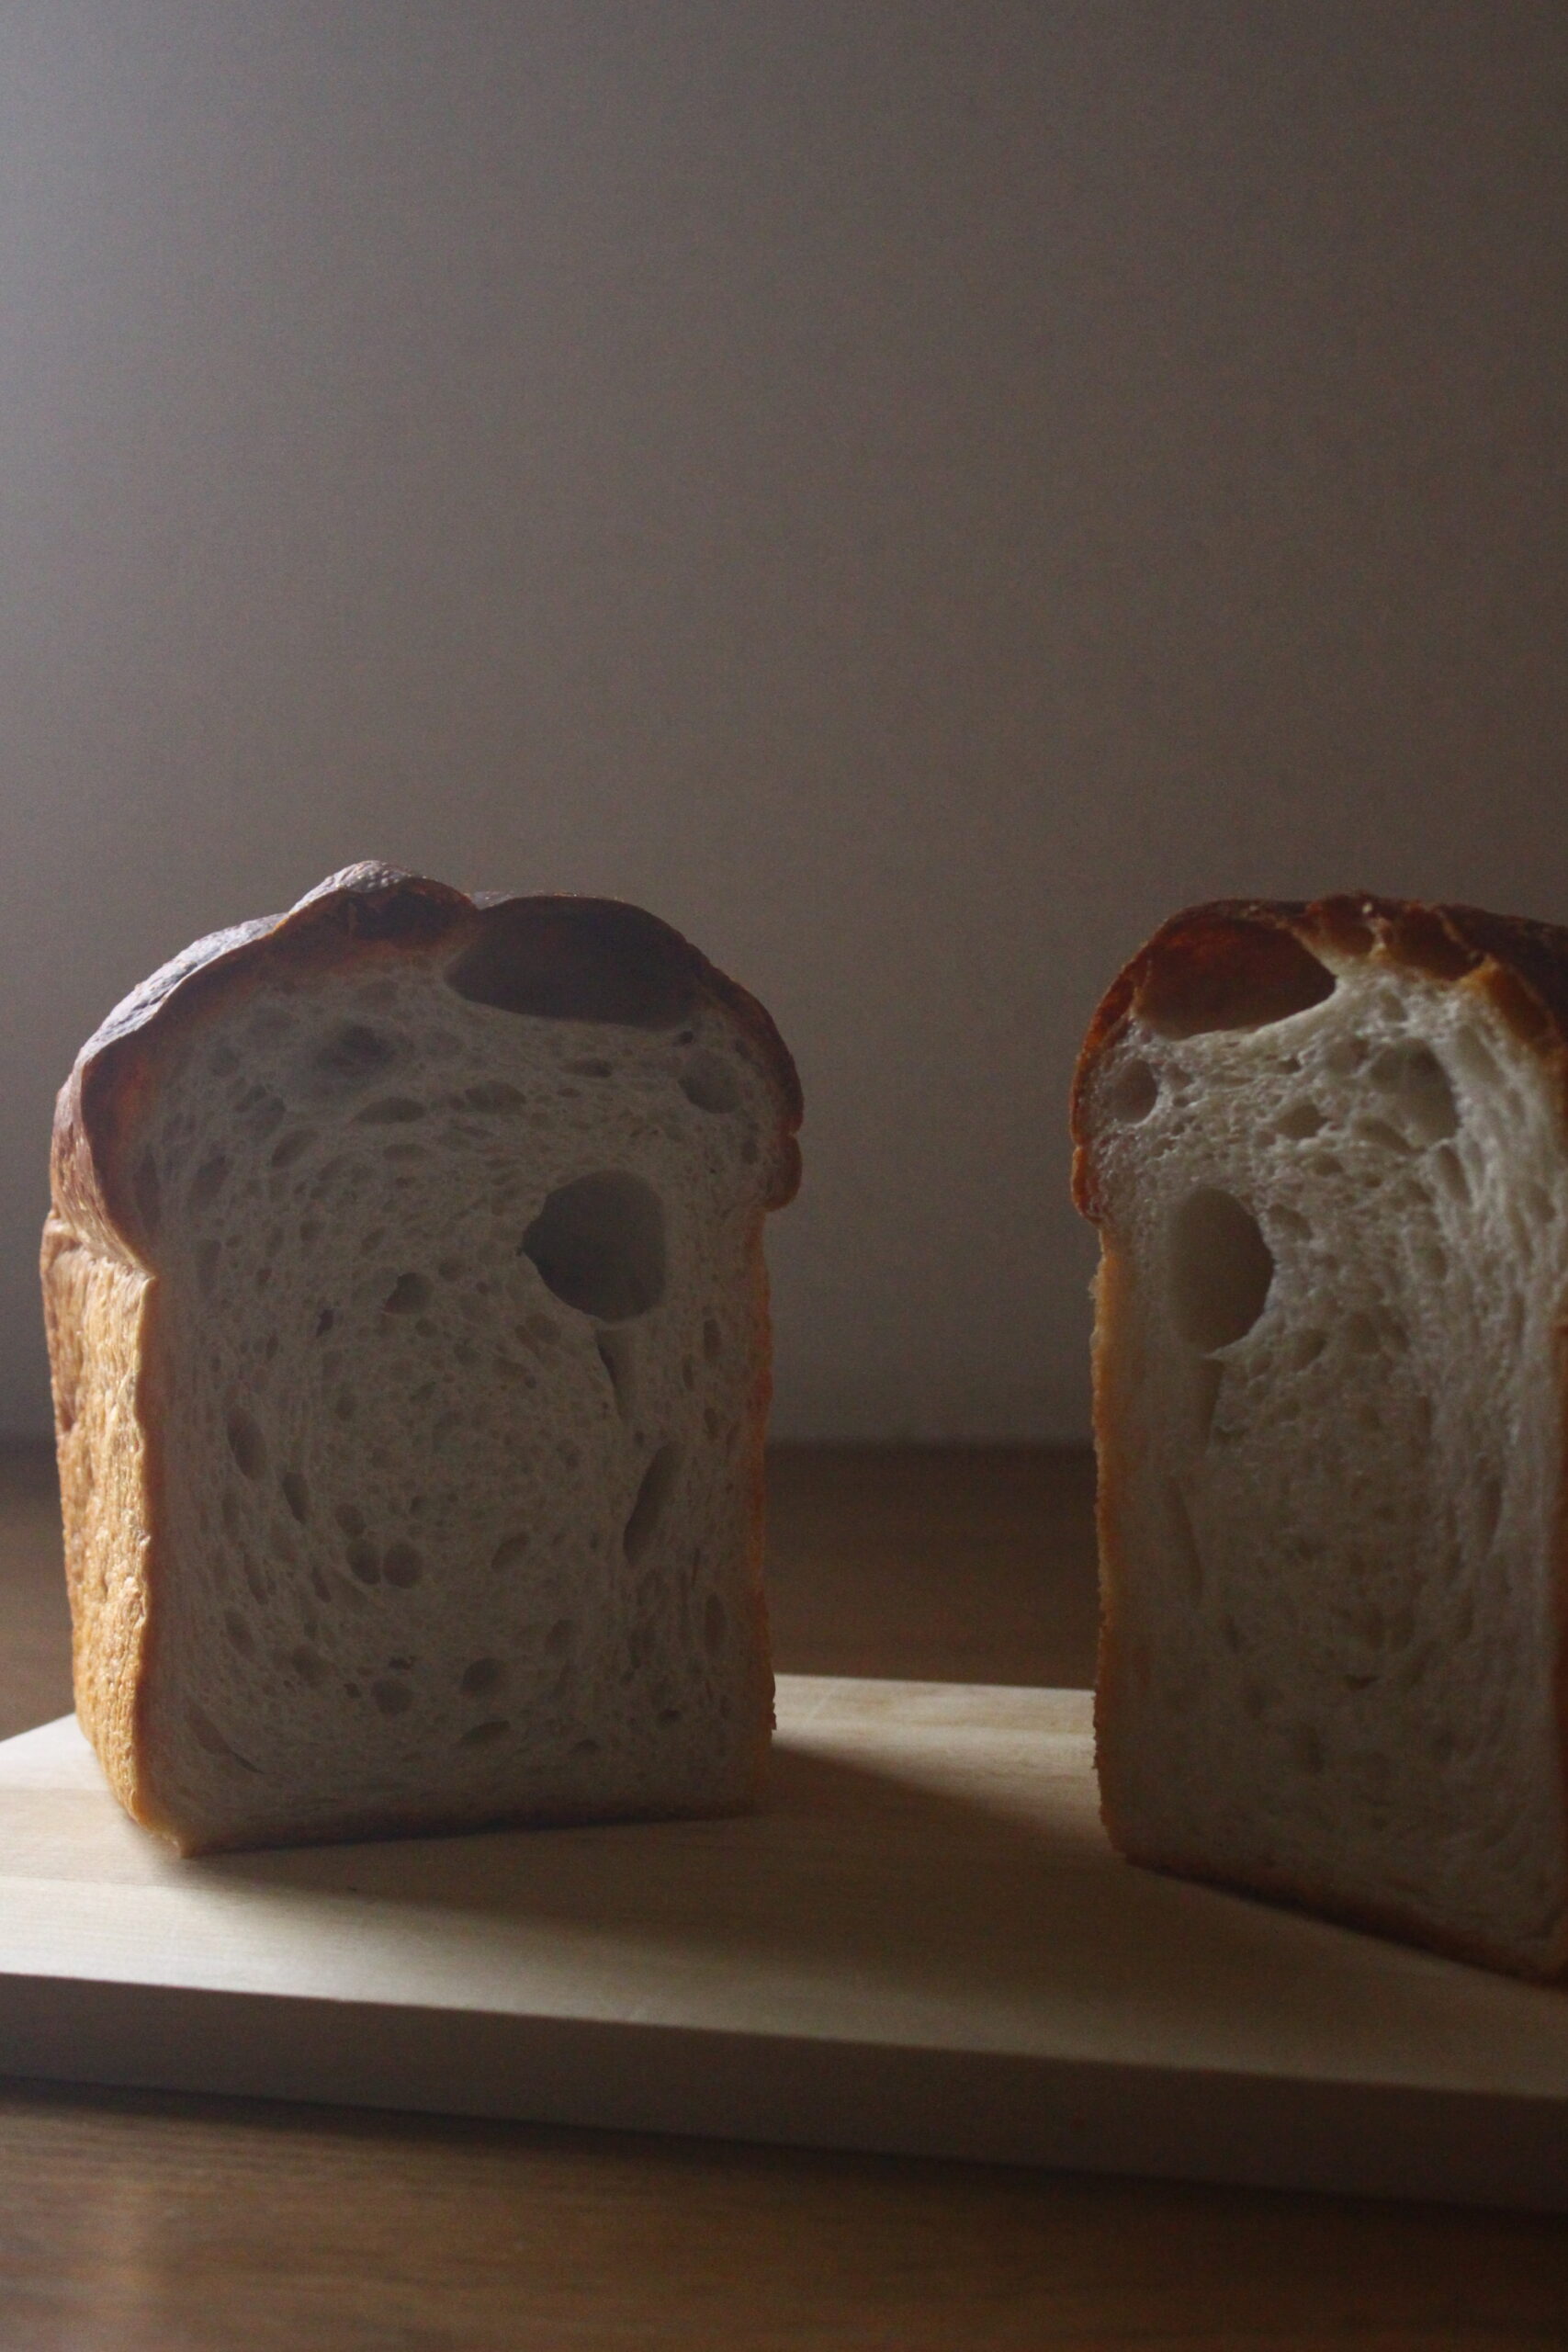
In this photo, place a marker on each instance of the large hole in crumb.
(1132, 1093)
(599, 1245)
(578, 959)
(709, 1080)
(1418, 1088)
(1221, 1267)
(653, 1493)
(1236, 976)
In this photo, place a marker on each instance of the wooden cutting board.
(921, 1943)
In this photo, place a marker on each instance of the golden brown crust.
(577, 958)
(99, 1314)
(1521, 967)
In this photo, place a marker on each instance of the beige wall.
(911, 491)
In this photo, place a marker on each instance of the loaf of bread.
(1326, 1149)
(409, 1329)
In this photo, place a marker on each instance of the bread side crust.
(1520, 967)
(100, 1284)
(100, 1314)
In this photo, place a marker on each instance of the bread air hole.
(246, 1444)
(207, 1736)
(390, 1111)
(1221, 1269)
(493, 1096)
(351, 1057)
(208, 1182)
(1417, 1090)
(485, 1675)
(599, 1245)
(1242, 975)
(402, 1566)
(410, 1295)
(509, 1554)
(297, 1495)
(710, 1082)
(657, 1481)
(1132, 1093)
(581, 959)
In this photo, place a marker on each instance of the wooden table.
(132, 2222)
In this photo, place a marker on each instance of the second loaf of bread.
(1327, 1148)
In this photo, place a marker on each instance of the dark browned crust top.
(1520, 965)
(596, 960)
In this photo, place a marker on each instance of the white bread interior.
(1330, 1407)
(451, 1357)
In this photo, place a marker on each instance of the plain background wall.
(913, 493)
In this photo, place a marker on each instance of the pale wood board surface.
(134, 2220)
(921, 1941)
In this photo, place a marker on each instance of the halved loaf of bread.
(408, 1328)
(1326, 1148)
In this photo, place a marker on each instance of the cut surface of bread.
(408, 1328)
(1326, 1149)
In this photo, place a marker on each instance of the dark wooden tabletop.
(141, 2223)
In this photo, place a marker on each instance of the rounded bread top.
(1239, 963)
(558, 957)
